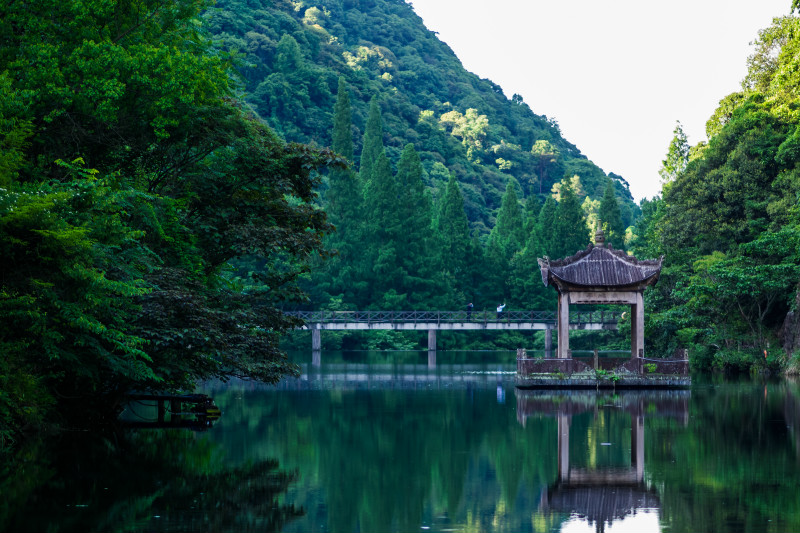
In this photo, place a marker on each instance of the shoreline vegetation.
(164, 194)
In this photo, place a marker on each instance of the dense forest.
(174, 173)
(727, 222)
(131, 175)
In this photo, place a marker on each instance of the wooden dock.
(190, 411)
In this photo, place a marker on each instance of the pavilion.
(600, 275)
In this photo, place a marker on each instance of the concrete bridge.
(433, 321)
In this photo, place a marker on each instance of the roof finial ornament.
(599, 237)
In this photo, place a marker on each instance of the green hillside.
(291, 54)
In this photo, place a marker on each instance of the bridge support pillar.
(432, 340)
(316, 340)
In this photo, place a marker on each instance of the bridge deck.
(453, 320)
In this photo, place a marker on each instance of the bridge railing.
(575, 317)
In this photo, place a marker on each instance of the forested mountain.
(728, 225)
(291, 54)
(454, 190)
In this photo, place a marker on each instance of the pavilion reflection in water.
(601, 494)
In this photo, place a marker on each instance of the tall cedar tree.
(453, 230)
(532, 209)
(527, 289)
(494, 282)
(381, 237)
(345, 203)
(677, 156)
(611, 218)
(505, 240)
(570, 232)
(382, 226)
(546, 224)
(418, 258)
(510, 228)
(372, 146)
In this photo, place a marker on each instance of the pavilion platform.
(601, 373)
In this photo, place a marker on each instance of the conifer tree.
(527, 289)
(532, 209)
(546, 225)
(570, 232)
(373, 142)
(496, 275)
(344, 194)
(475, 271)
(379, 270)
(382, 227)
(611, 218)
(343, 122)
(453, 230)
(677, 156)
(412, 212)
(345, 202)
(505, 240)
(510, 228)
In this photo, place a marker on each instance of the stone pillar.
(431, 358)
(431, 340)
(316, 340)
(634, 345)
(640, 323)
(548, 342)
(637, 327)
(563, 325)
(563, 447)
(637, 445)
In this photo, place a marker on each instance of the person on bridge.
(469, 311)
(500, 311)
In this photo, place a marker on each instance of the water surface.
(385, 442)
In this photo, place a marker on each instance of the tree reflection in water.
(143, 480)
(395, 449)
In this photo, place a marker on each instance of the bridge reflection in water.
(382, 376)
(601, 494)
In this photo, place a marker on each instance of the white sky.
(644, 521)
(615, 74)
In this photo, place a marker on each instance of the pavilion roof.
(602, 504)
(601, 267)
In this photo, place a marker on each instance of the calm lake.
(400, 441)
